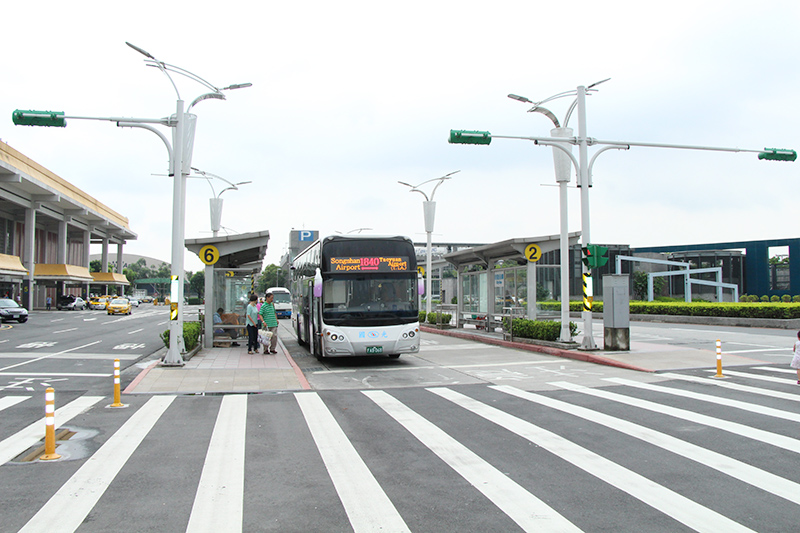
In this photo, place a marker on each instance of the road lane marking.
(367, 506)
(76, 498)
(24, 439)
(744, 406)
(734, 386)
(218, 503)
(671, 503)
(9, 401)
(48, 356)
(766, 481)
(65, 330)
(45, 375)
(135, 331)
(757, 377)
(528, 511)
(774, 439)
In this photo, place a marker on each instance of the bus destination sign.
(369, 264)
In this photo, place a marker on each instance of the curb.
(588, 357)
(299, 373)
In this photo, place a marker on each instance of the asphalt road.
(76, 349)
(521, 447)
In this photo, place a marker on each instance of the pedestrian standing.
(796, 358)
(270, 320)
(251, 319)
(49, 302)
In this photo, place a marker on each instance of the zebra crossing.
(687, 453)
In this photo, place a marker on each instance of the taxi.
(99, 302)
(119, 306)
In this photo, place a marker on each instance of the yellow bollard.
(50, 430)
(117, 399)
(719, 360)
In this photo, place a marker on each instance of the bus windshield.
(374, 300)
(282, 298)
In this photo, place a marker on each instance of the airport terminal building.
(47, 227)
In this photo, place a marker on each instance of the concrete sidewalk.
(219, 370)
(643, 357)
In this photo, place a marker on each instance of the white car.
(134, 302)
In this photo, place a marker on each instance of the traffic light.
(595, 256)
(777, 154)
(469, 137)
(39, 118)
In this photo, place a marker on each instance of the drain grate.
(32, 454)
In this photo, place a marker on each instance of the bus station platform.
(232, 370)
(222, 370)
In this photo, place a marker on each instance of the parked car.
(119, 306)
(71, 303)
(11, 310)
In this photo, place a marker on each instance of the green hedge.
(422, 317)
(545, 330)
(434, 318)
(191, 335)
(726, 309)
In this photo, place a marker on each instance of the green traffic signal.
(777, 154)
(39, 118)
(469, 137)
(595, 255)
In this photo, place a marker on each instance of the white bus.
(357, 295)
(282, 301)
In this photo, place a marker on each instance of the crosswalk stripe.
(744, 406)
(780, 441)
(366, 504)
(528, 511)
(218, 504)
(734, 386)
(66, 510)
(762, 479)
(24, 439)
(10, 401)
(657, 496)
(757, 377)
(776, 369)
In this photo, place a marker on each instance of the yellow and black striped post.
(117, 394)
(49, 427)
(587, 291)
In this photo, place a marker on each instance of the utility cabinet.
(616, 313)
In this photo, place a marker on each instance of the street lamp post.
(584, 166)
(180, 154)
(429, 210)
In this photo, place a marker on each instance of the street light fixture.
(180, 155)
(215, 203)
(429, 210)
(584, 168)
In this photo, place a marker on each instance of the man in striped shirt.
(267, 314)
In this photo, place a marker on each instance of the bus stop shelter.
(484, 290)
(232, 264)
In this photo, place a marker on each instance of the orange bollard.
(719, 360)
(117, 399)
(50, 429)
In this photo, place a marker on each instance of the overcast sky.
(349, 97)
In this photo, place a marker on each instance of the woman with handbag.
(251, 320)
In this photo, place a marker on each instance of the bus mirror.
(421, 286)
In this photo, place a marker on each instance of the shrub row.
(437, 318)
(774, 298)
(727, 309)
(191, 335)
(545, 330)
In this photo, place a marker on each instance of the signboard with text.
(369, 264)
